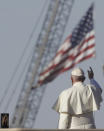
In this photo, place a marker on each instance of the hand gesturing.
(90, 73)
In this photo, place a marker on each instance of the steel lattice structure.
(47, 44)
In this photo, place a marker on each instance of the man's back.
(76, 104)
(79, 99)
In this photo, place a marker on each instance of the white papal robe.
(76, 105)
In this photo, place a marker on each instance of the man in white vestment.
(77, 104)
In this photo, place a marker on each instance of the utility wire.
(18, 81)
(23, 54)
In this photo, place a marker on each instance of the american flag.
(78, 46)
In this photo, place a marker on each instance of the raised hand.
(90, 73)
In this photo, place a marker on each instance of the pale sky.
(17, 20)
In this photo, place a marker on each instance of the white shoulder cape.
(78, 100)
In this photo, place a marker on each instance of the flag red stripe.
(81, 52)
(55, 70)
(63, 52)
(88, 47)
(59, 71)
(60, 68)
(67, 57)
(84, 58)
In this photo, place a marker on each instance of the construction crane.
(45, 48)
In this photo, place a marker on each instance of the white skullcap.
(77, 72)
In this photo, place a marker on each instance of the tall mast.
(47, 44)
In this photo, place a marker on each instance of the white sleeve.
(95, 83)
(64, 121)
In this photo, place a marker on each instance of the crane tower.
(45, 48)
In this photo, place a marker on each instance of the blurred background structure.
(28, 46)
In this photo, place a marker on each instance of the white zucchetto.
(77, 72)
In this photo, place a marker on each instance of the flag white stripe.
(90, 43)
(75, 50)
(68, 62)
(65, 46)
